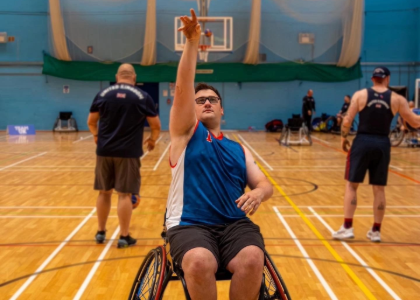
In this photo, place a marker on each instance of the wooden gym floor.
(48, 221)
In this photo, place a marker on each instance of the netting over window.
(113, 30)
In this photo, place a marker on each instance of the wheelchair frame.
(303, 133)
(156, 261)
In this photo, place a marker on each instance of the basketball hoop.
(203, 54)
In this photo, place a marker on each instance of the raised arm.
(182, 117)
(261, 188)
(406, 114)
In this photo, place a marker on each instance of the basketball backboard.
(220, 39)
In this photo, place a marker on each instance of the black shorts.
(224, 241)
(121, 174)
(369, 152)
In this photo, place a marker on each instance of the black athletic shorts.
(224, 241)
(121, 174)
(369, 152)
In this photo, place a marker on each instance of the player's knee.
(109, 192)
(378, 188)
(198, 263)
(353, 185)
(252, 260)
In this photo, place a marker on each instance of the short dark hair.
(348, 96)
(205, 86)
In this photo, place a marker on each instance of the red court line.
(392, 171)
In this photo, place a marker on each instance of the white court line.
(95, 266)
(320, 140)
(52, 255)
(358, 258)
(396, 168)
(147, 152)
(161, 157)
(305, 255)
(227, 135)
(83, 138)
(19, 162)
(252, 149)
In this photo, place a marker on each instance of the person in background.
(343, 111)
(122, 110)
(308, 109)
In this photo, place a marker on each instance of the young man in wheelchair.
(206, 219)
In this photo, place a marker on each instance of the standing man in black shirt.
(308, 108)
(121, 110)
(371, 149)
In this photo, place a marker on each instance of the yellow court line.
(349, 271)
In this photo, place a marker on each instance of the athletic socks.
(376, 227)
(348, 223)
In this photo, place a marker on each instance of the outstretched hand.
(191, 28)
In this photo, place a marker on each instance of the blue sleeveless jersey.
(208, 178)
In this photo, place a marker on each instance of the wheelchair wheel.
(396, 136)
(274, 287)
(152, 277)
(330, 123)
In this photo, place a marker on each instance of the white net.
(203, 54)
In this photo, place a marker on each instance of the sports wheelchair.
(157, 270)
(295, 132)
(409, 135)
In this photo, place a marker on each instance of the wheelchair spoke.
(147, 282)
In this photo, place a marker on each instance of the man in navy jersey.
(121, 110)
(371, 149)
(207, 204)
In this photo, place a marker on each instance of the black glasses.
(202, 100)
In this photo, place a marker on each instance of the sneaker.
(100, 237)
(126, 241)
(343, 233)
(135, 199)
(374, 236)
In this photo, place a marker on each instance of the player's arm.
(261, 188)
(348, 120)
(92, 122)
(154, 123)
(93, 118)
(182, 116)
(406, 114)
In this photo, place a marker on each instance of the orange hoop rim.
(204, 47)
